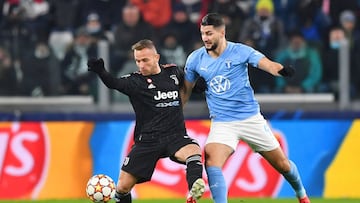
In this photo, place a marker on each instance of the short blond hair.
(142, 44)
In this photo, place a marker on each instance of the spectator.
(94, 27)
(348, 23)
(32, 15)
(196, 9)
(286, 12)
(352, 34)
(186, 31)
(59, 41)
(307, 63)
(40, 73)
(330, 80)
(63, 26)
(16, 35)
(131, 29)
(108, 11)
(335, 8)
(232, 15)
(171, 51)
(155, 12)
(68, 22)
(265, 31)
(314, 23)
(245, 6)
(264, 28)
(8, 74)
(76, 80)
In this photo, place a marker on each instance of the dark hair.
(295, 33)
(142, 44)
(213, 19)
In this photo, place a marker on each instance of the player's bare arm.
(270, 66)
(185, 91)
(275, 68)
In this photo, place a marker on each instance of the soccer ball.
(100, 188)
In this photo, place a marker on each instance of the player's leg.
(289, 170)
(123, 188)
(216, 155)
(220, 144)
(138, 167)
(190, 154)
(260, 138)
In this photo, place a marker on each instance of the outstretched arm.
(275, 68)
(97, 66)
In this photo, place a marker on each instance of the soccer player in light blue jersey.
(234, 111)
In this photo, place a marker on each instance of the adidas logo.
(151, 86)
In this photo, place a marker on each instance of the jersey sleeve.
(254, 56)
(190, 68)
(121, 84)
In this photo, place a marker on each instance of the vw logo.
(219, 84)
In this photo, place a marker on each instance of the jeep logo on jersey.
(219, 84)
(23, 159)
(166, 95)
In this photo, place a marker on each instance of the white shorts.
(255, 131)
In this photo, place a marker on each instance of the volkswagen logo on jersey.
(219, 84)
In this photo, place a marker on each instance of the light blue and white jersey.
(229, 95)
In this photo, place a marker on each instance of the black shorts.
(144, 154)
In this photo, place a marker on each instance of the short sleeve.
(254, 56)
(190, 68)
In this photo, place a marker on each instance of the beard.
(212, 48)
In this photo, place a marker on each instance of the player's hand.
(200, 85)
(96, 65)
(287, 71)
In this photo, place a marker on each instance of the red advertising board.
(24, 156)
(36, 158)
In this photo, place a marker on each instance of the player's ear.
(157, 57)
(222, 31)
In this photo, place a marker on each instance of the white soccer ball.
(100, 188)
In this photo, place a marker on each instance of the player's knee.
(187, 151)
(216, 154)
(123, 189)
(209, 162)
(214, 161)
(194, 149)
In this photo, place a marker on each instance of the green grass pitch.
(245, 200)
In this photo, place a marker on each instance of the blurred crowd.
(45, 44)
